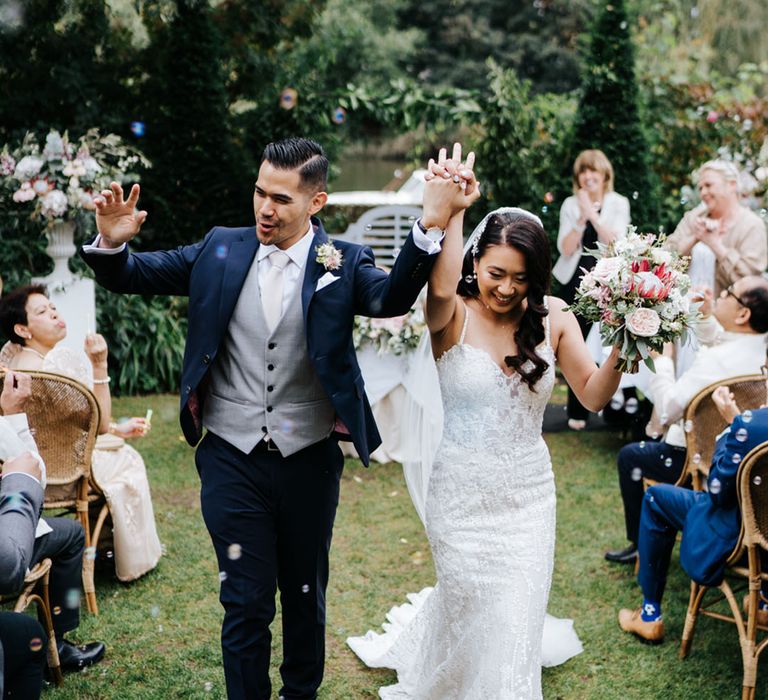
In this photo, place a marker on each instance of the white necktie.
(272, 293)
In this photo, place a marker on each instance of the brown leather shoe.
(762, 615)
(648, 632)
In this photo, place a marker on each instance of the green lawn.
(162, 631)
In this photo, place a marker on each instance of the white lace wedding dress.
(490, 513)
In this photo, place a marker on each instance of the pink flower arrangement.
(637, 291)
(59, 180)
(390, 335)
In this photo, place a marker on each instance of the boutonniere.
(329, 256)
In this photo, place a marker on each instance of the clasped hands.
(587, 209)
(450, 188)
(710, 232)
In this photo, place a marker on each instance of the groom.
(270, 371)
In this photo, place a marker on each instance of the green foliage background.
(608, 116)
(524, 84)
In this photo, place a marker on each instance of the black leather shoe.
(622, 556)
(76, 658)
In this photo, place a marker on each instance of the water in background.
(367, 174)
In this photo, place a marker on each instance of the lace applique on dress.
(491, 526)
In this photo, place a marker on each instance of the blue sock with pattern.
(651, 610)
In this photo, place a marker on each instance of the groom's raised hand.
(117, 219)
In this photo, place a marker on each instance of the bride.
(490, 496)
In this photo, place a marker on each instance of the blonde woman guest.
(31, 322)
(721, 233)
(594, 213)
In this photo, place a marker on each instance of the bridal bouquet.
(390, 335)
(637, 291)
(59, 180)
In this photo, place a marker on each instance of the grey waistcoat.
(264, 383)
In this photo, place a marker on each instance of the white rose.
(661, 256)
(91, 166)
(28, 167)
(643, 322)
(54, 204)
(607, 269)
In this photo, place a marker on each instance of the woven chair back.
(753, 492)
(703, 422)
(64, 418)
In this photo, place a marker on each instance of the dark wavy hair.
(527, 236)
(13, 309)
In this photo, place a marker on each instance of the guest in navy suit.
(710, 521)
(270, 371)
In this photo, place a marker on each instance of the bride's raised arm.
(457, 179)
(592, 385)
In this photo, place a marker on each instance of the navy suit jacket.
(212, 272)
(713, 523)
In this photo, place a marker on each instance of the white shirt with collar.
(293, 272)
(730, 355)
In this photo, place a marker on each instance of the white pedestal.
(73, 296)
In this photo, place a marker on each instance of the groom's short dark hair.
(306, 155)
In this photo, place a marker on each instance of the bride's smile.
(501, 278)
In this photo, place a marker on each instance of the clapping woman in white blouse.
(593, 213)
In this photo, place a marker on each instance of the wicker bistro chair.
(64, 417)
(703, 423)
(35, 590)
(753, 544)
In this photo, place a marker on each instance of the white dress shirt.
(732, 354)
(293, 273)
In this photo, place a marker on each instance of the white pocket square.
(325, 280)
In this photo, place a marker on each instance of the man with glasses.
(732, 334)
(710, 521)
